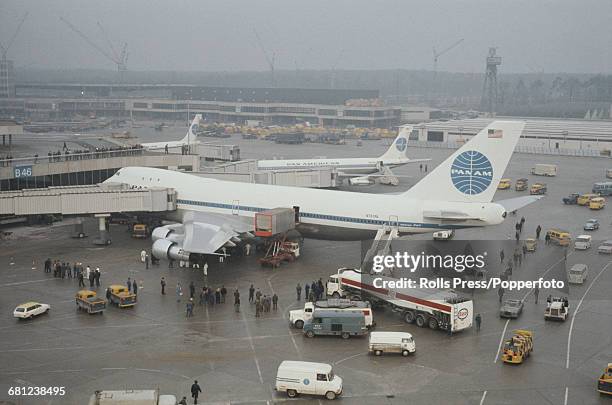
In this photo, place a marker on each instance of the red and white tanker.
(438, 309)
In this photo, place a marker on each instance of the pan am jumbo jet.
(354, 168)
(189, 140)
(456, 194)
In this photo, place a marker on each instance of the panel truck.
(442, 309)
(297, 317)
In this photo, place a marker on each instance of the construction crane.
(118, 59)
(5, 48)
(271, 60)
(437, 54)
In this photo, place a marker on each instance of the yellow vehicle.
(604, 384)
(518, 347)
(537, 189)
(140, 231)
(585, 199)
(559, 237)
(504, 184)
(521, 184)
(90, 302)
(121, 296)
(531, 244)
(597, 203)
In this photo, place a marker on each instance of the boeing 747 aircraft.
(457, 194)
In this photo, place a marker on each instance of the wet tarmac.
(234, 356)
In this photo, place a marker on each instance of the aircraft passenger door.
(394, 222)
(235, 207)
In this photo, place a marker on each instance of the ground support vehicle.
(89, 301)
(391, 342)
(298, 317)
(435, 308)
(121, 296)
(302, 377)
(557, 308)
(604, 384)
(518, 347)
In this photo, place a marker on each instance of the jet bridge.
(100, 201)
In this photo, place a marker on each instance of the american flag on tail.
(496, 133)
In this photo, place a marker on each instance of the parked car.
(591, 225)
(30, 310)
(605, 247)
(511, 309)
(582, 242)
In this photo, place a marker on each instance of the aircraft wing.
(202, 233)
(513, 204)
(449, 215)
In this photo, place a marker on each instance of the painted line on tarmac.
(250, 339)
(38, 349)
(297, 349)
(571, 328)
(566, 395)
(484, 395)
(348, 358)
(501, 341)
(24, 282)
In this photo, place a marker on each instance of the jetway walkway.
(99, 200)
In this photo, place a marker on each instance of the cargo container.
(274, 221)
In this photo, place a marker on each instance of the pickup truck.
(571, 199)
(89, 301)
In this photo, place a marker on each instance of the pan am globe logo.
(401, 144)
(194, 128)
(471, 172)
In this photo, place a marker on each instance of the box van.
(544, 170)
(585, 199)
(597, 203)
(578, 273)
(391, 342)
(559, 237)
(297, 317)
(603, 188)
(336, 322)
(303, 377)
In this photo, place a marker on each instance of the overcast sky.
(531, 35)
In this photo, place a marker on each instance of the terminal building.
(330, 107)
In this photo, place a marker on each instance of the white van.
(391, 342)
(578, 273)
(582, 242)
(298, 317)
(303, 377)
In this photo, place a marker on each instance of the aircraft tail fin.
(471, 173)
(398, 148)
(192, 136)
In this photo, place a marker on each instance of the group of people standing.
(313, 291)
(76, 271)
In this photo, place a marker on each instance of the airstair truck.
(438, 309)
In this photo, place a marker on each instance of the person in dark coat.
(191, 290)
(307, 290)
(251, 293)
(223, 293)
(135, 287)
(218, 296)
(129, 284)
(108, 294)
(97, 275)
(298, 291)
(163, 286)
(195, 391)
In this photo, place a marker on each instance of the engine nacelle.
(166, 249)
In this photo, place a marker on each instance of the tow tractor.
(518, 347)
(557, 308)
(604, 384)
